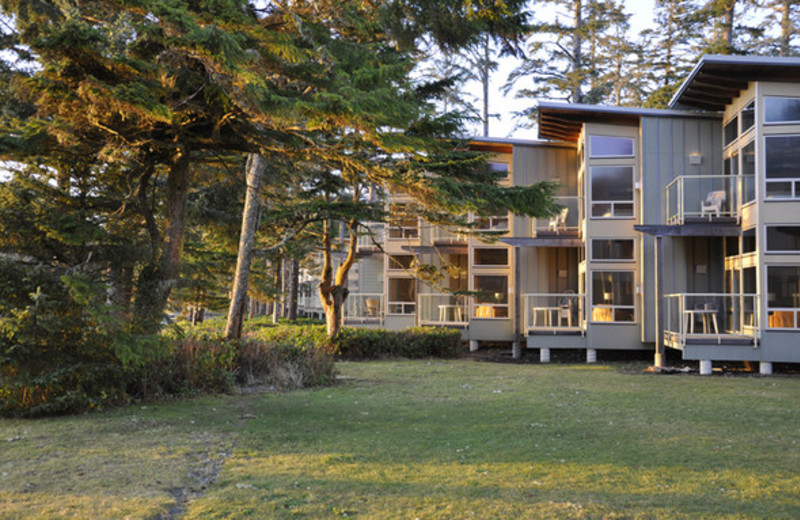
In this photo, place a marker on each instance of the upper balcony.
(565, 224)
(695, 199)
(372, 238)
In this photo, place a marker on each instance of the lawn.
(426, 439)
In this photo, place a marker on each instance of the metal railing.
(567, 221)
(374, 233)
(554, 312)
(363, 307)
(693, 197)
(711, 316)
(442, 309)
(446, 234)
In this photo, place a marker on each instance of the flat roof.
(717, 79)
(507, 144)
(563, 121)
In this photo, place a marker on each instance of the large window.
(612, 250)
(491, 299)
(612, 191)
(783, 239)
(783, 166)
(491, 256)
(612, 296)
(783, 300)
(402, 292)
(748, 116)
(731, 131)
(403, 224)
(400, 262)
(781, 110)
(607, 146)
(492, 223)
(500, 169)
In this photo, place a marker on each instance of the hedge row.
(414, 343)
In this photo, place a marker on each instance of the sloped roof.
(717, 79)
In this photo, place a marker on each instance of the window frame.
(612, 203)
(793, 181)
(779, 251)
(614, 307)
(488, 304)
(507, 217)
(592, 154)
(787, 122)
(592, 257)
(407, 307)
(491, 266)
(771, 310)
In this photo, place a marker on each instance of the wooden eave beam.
(727, 81)
(701, 103)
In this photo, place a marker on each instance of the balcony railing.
(711, 318)
(374, 233)
(565, 222)
(706, 197)
(443, 309)
(445, 234)
(363, 307)
(554, 312)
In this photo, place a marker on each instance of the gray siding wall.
(667, 144)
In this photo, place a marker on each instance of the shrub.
(417, 342)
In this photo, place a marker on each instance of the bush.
(414, 343)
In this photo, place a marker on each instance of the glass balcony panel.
(566, 221)
(443, 309)
(554, 312)
(360, 307)
(701, 198)
(710, 318)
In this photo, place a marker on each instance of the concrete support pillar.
(544, 355)
(473, 345)
(659, 360)
(705, 367)
(765, 368)
(591, 355)
(516, 350)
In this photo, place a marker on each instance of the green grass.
(428, 439)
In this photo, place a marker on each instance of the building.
(680, 229)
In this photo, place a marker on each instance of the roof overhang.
(731, 229)
(564, 121)
(716, 80)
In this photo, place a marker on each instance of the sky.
(641, 11)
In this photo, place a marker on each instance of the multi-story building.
(680, 229)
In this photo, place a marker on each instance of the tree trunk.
(157, 280)
(256, 165)
(577, 59)
(276, 307)
(787, 29)
(294, 282)
(485, 74)
(333, 287)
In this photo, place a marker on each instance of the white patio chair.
(713, 204)
(559, 221)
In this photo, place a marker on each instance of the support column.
(516, 349)
(544, 355)
(765, 368)
(658, 362)
(705, 367)
(473, 345)
(591, 355)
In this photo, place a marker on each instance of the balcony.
(554, 313)
(711, 319)
(446, 235)
(564, 224)
(443, 310)
(708, 198)
(374, 234)
(363, 308)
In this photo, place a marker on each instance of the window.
(402, 225)
(498, 168)
(402, 293)
(493, 223)
(606, 146)
(783, 239)
(612, 296)
(783, 298)
(491, 256)
(748, 116)
(749, 241)
(730, 166)
(491, 300)
(783, 166)
(401, 261)
(781, 110)
(612, 250)
(731, 131)
(612, 191)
